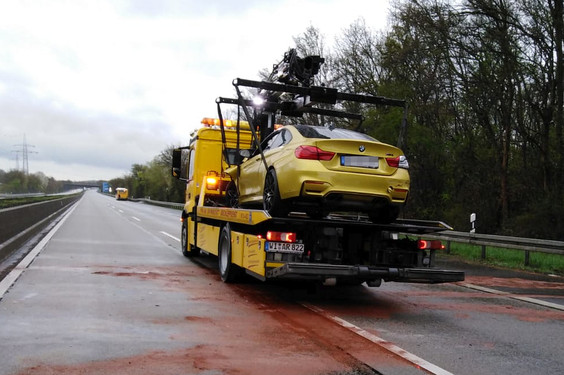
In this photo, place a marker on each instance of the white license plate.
(285, 247)
(360, 161)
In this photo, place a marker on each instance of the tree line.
(18, 182)
(153, 180)
(484, 82)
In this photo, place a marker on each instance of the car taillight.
(313, 153)
(398, 162)
(281, 236)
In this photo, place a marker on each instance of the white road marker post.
(473, 223)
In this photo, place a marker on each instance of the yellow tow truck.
(333, 249)
(122, 193)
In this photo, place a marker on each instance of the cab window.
(191, 160)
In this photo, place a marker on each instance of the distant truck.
(122, 193)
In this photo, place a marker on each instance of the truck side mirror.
(176, 163)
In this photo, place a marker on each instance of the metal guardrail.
(32, 195)
(159, 203)
(527, 245)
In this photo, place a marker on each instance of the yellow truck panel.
(254, 255)
(235, 215)
(208, 238)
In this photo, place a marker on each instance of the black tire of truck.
(188, 250)
(230, 272)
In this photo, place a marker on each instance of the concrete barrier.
(18, 224)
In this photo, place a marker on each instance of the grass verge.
(13, 202)
(514, 259)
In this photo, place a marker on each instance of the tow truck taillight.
(398, 162)
(281, 236)
(431, 245)
(313, 153)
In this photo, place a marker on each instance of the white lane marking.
(120, 211)
(513, 296)
(11, 278)
(135, 218)
(171, 236)
(417, 361)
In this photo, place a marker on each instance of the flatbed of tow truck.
(248, 221)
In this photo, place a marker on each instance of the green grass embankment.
(507, 258)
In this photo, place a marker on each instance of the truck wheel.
(271, 201)
(231, 195)
(188, 250)
(230, 273)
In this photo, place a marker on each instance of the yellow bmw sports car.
(319, 170)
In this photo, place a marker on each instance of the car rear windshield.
(331, 133)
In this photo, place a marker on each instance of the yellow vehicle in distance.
(122, 193)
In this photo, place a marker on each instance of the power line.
(24, 151)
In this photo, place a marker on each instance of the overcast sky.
(98, 85)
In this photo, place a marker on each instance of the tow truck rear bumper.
(325, 271)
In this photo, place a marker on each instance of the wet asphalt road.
(110, 292)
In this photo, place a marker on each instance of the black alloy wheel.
(272, 203)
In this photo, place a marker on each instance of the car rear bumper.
(312, 179)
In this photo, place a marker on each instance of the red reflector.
(281, 236)
(432, 245)
(313, 153)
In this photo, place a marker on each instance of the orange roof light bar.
(230, 124)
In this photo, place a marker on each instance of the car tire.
(188, 250)
(230, 273)
(271, 201)
(231, 195)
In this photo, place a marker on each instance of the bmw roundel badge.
(361, 148)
